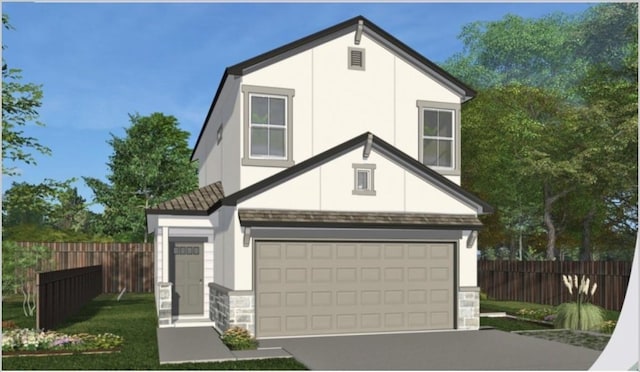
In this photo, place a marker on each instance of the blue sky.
(99, 62)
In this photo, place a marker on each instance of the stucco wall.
(333, 103)
(330, 186)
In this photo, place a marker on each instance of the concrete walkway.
(203, 344)
(458, 350)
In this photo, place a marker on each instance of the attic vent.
(356, 58)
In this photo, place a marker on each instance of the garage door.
(314, 288)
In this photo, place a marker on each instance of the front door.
(186, 274)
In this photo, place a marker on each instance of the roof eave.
(363, 225)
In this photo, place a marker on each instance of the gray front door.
(186, 274)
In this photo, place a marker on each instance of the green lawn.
(512, 307)
(509, 324)
(134, 318)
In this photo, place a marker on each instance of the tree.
(19, 267)
(148, 166)
(20, 103)
(610, 90)
(49, 211)
(581, 79)
(538, 52)
(521, 154)
(31, 204)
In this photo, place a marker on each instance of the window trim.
(454, 170)
(370, 168)
(287, 94)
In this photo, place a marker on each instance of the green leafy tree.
(581, 72)
(149, 165)
(31, 204)
(19, 267)
(537, 52)
(49, 211)
(20, 103)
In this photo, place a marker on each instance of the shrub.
(580, 316)
(608, 326)
(30, 340)
(536, 314)
(237, 338)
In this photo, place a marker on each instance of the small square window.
(363, 179)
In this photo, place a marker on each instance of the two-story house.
(330, 198)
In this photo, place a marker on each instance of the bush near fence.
(124, 265)
(541, 281)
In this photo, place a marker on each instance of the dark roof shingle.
(305, 218)
(199, 202)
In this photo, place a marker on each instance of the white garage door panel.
(308, 288)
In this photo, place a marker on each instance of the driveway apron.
(457, 350)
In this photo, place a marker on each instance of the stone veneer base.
(228, 308)
(469, 308)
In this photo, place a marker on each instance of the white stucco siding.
(243, 260)
(468, 276)
(349, 102)
(301, 192)
(217, 162)
(224, 240)
(330, 187)
(333, 103)
(294, 73)
(413, 85)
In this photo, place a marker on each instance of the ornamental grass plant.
(581, 314)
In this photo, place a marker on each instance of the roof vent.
(356, 58)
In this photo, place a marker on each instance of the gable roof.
(202, 201)
(322, 36)
(385, 148)
(208, 199)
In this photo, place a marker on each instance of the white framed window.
(267, 126)
(439, 129)
(363, 179)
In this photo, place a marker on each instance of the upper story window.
(439, 129)
(267, 126)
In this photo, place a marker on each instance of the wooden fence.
(541, 281)
(62, 293)
(124, 265)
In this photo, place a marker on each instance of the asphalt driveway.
(459, 350)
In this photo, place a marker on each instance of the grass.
(512, 307)
(593, 341)
(509, 324)
(134, 319)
